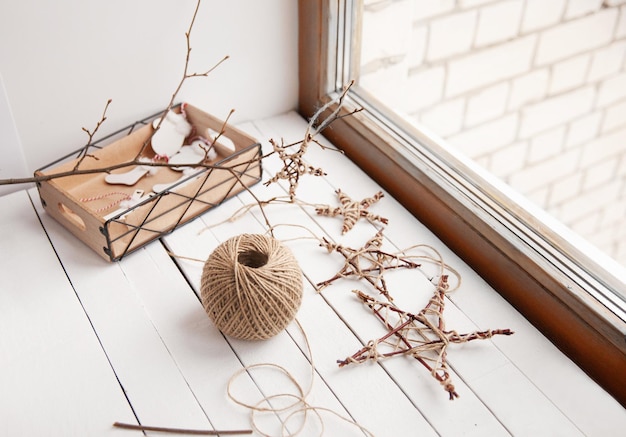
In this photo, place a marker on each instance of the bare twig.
(186, 75)
(84, 152)
(181, 430)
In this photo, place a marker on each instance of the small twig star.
(368, 262)
(352, 210)
(293, 166)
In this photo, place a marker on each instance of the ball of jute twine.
(251, 287)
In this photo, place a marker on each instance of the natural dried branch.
(181, 430)
(186, 75)
(85, 151)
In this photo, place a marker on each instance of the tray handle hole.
(72, 217)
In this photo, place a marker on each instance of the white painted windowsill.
(87, 343)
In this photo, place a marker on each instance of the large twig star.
(422, 336)
(368, 262)
(352, 210)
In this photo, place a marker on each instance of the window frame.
(580, 325)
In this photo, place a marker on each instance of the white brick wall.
(498, 22)
(591, 201)
(378, 43)
(424, 88)
(607, 61)
(430, 8)
(487, 104)
(564, 189)
(599, 174)
(612, 89)
(556, 110)
(533, 90)
(540, 14)
(577, 8)
(609, 146)
(583, 130)
(569, 74)
(486, 138)
(470, 3)
(576, 36)
(509, 159)
(445, 118)
(529, 88)
(546, 145)
(451, 35)
(621, 25)
(490, 65)
(544, 173)
(417, 46)
(614, 117)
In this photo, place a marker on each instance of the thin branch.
(184, 78)
(181, 430)
(108, 169)
(84, 152)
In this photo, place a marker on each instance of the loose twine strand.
(298, 406)
(244, 209)
(437, 260)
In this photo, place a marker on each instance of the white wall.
(62, 60)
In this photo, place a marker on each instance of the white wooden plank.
(344, 175)
(152, 381)
(55, 379)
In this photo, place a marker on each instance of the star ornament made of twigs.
(352, 210)
(422, 336)
(293, 166)
(369, 262)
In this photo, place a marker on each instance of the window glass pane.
(532, 91)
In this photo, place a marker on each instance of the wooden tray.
(79, 202)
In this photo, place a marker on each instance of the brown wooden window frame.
(519, 263)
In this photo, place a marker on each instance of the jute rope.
(251, 287)
(296, 408)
